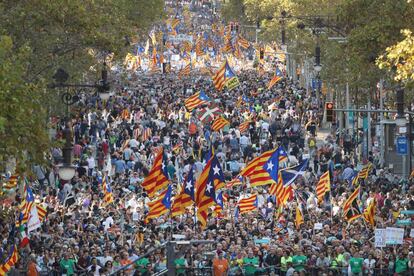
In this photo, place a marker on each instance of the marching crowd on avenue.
(143, 156)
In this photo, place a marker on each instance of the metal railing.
(122, 268)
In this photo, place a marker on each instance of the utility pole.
(401, 123)
(369, 126)
(381, 136)
(348, 102)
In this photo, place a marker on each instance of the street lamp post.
(66, 169)
(401, 124)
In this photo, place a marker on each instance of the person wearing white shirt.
(244, 142)
(94, 267)
(105, 258)
(133, 143)
(91, 165)
(369, 265)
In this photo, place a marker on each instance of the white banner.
(380, 237)
(34, 221)
(394, 235)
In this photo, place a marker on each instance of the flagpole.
(330, 200)
(194, 217)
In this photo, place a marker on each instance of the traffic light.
(330, 114)
(236, 27)
(261, 53)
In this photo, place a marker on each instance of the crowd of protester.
(81, 235)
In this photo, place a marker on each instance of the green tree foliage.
(63, 33)
(22, 114)
(370, 26)
(40, 36)
(399, 59)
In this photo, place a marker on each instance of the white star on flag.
(270, 166)
(209, 187)
(189, 186)
(216, 170)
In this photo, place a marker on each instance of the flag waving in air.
(289, 175)
(258, 169)
(278, 76)
(247, 204)
(244, 126)
(196, 100)
(244, 43)
(11, 260)
(299, 218)
(26, 204)
(185, 71)
(219, 123)
(351, 209)
(369, 213)
(207, 114)
(160, 206)
(107, 190)
(323, 186)
(185, 197)
(281, 192)
(225, 76)
(210, 180)
(157, 178)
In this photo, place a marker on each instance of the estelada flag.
(219, 123)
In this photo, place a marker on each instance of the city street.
(206, 137)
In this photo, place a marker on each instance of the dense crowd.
(83, 235)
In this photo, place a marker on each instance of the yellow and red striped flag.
(146, 134)
(107, 190)
(11, 182)
(369, 213)
(219, 78)
(41, 211)
(219, 123)
(157, 178)
(278, 76)
(237, 51)
(281, 192)
(210, 180)
(350, 208)
(185, 197)
(237, 180)
(187, 46)
(196, 100)
(185, 71)
(247, 204)
(159, 206)
(244, 43)
(363, 173)
(260, 176)
(11, 260)
(175, 22)
(244, 126)
(299, 218)
(26, 205)
(228, 47)
(199, 46)
(154, 58)
(323, 186)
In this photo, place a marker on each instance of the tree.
(22, 112)
(39, 37)
(399, 59)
